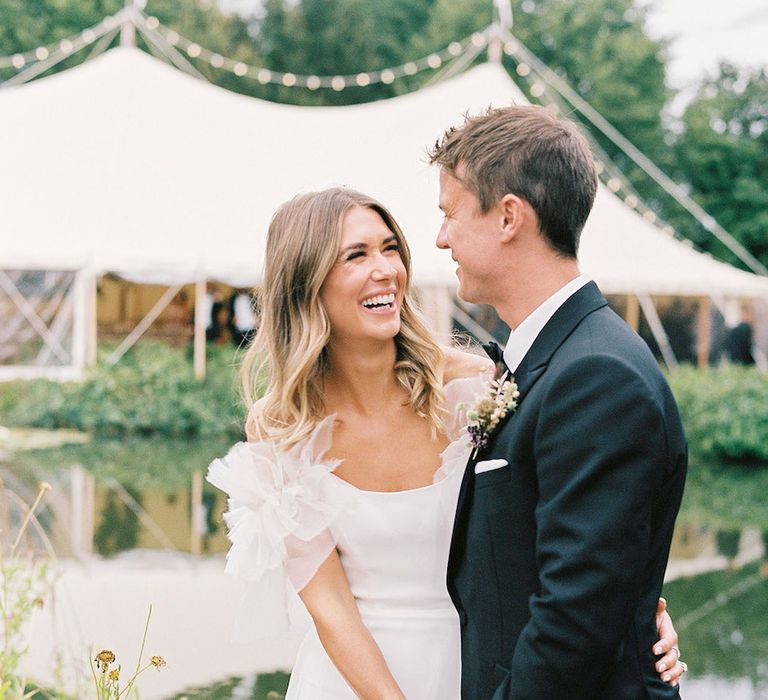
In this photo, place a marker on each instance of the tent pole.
(704, 331)
(632, 314)
(128, 27)
(143, 325)
(200, 324)
(91, 346)
(657, 330)
(196, 513)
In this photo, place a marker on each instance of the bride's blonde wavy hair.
(289, 348)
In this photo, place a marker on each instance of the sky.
(706, 31)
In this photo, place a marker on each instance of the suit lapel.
(563, 322)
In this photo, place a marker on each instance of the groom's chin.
(466, 295)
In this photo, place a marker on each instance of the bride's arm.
(345, 638)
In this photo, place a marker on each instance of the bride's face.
(363, 292)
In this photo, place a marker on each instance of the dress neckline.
(443, 459)
(369, 492)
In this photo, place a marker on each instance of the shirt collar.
(521, 339)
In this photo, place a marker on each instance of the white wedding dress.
(288, 511)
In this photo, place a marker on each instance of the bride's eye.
(354, 255)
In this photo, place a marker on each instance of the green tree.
(27, 24)
(722, 155)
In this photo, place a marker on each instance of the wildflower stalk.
(139, 670)
(17, 599)
(44, 486)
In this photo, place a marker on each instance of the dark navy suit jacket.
(557, 559)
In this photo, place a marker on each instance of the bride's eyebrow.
(352, 246)
(363, 246)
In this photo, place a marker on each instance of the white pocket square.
(489, 465)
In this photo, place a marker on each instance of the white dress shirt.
(521, 339)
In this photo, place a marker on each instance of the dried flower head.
(103, 659)
(500, 399)
(158, 662)
(114, 675)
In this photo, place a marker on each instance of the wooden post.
(196, 512)
(91, 348)
(632, 314)
(703, 332)
(200, 323)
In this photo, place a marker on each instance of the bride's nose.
(383, 269)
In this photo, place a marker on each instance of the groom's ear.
(514, 212)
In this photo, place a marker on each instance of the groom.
(560, 544)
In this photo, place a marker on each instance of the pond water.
(110, 497)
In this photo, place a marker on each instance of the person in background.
(214, 317)
(242, 317)
(738, 342)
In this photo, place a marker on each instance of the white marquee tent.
(126, 165)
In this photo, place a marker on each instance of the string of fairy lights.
(66, 47)
(541, 83)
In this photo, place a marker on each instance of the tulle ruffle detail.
(280, 515)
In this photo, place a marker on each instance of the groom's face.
(471, 236)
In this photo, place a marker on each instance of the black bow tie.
(493, 351)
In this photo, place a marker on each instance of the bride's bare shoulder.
(463, 363)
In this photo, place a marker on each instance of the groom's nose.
(442, 238)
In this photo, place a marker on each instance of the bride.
(349, 480)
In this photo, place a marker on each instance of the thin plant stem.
(43, 488)
(129, 685)
(93, 672)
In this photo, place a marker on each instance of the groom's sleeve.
(600, 448)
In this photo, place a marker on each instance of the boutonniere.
(491, 407)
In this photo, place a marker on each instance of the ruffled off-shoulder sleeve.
(279, 515)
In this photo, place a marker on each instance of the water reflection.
(721, 617)
(113, 496)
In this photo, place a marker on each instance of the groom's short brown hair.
(526, 151)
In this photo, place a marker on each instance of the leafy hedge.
(724, 411)
(152, 390)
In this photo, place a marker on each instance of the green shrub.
(724, 411)
(152, 390)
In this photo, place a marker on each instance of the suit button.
(462, 617)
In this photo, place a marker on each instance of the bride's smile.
(363, 292)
